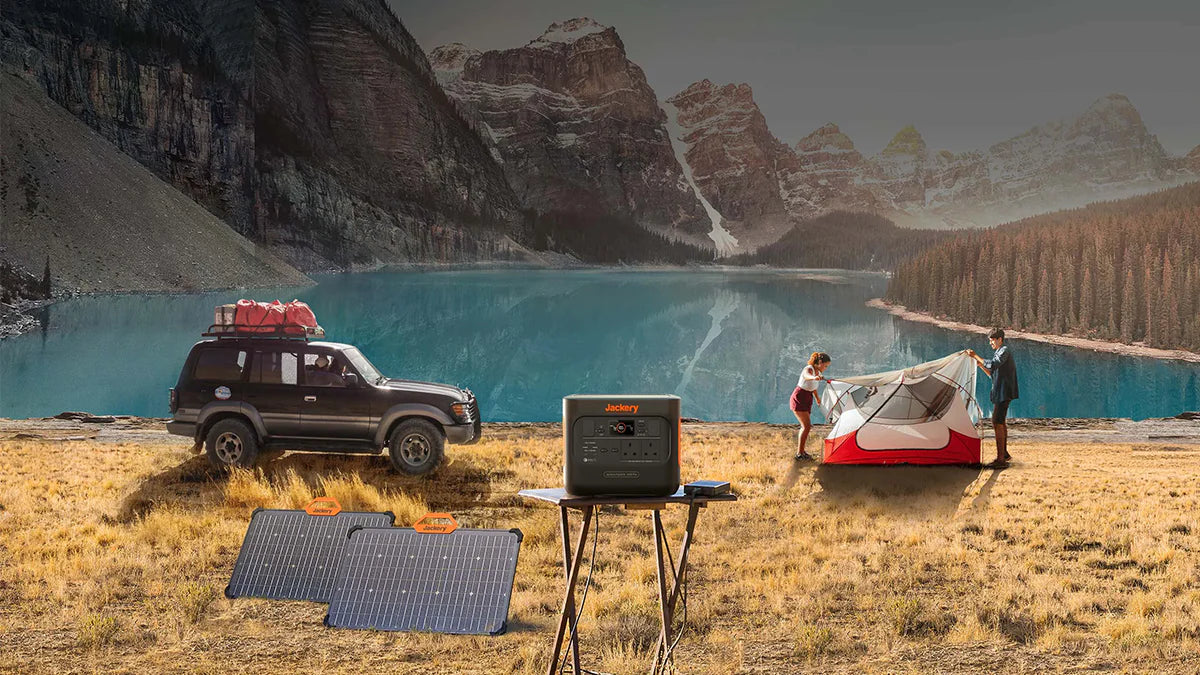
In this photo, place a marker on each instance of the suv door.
(215, 373)
(274, 388)
(332, 407)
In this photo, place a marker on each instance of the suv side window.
(330, 376)
(219, 364)
(271, 367)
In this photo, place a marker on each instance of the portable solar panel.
(292, 555)
(405, 580)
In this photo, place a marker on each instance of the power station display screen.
(622, 428)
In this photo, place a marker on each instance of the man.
(324, 375)
(1002, 368)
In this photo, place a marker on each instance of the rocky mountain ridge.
(316, 128)
(576, 127)
(1103, 153)
(320, 131)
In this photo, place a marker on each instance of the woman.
(805, 394)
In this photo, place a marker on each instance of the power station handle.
(424, 527)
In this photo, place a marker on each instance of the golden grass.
(115, 556)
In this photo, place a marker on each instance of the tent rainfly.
(925, 414)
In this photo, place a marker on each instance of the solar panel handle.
(425, 527)
(323, 506)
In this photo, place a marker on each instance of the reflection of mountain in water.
(732, 344)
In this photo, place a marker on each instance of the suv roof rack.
(305, 333)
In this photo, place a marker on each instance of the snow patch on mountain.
(568, 32)
(725, 242)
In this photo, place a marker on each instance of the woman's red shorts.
(802, 400)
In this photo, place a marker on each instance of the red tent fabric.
(959, 449)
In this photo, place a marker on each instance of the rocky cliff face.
(100, 220)
(1106, 152)
(830, 174)
(733, 159)
(361, 158)
(167, 83)
(576, 127)
(1192, 161)
(315, 127)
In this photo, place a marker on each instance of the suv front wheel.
(416, 447)
(231, 442)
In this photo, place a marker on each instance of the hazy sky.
(967, 74)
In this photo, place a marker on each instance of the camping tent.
(925, 414)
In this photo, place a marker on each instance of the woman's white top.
(809, 379)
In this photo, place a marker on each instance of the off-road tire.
(231, 442)
(416, 447)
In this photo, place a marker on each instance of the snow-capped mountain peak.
(567, 32)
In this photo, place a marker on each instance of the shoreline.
(1119, 348)
(1155, 433)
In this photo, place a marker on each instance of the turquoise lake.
(731, 344)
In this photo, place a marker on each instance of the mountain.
(732, 158)
(830, 173)
(1104, 153)
(576, 128)
(361, 158)
(166, 83)
(1192, 161)
(314, 127)
(755, 182)
(102, 220)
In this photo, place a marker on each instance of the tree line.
(845, 240)
(1126, 270)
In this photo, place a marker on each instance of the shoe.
(805, 457)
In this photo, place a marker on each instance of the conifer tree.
(1087, 300)
(1128, 305)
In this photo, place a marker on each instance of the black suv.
(242, 395)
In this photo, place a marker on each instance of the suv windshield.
(363, 366)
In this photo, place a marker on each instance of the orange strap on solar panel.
(323, 506)
(425, 527)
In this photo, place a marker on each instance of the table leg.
(569, 597)
(664, 636)
(573, 619)
(680, 571)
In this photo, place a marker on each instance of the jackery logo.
(620, 408)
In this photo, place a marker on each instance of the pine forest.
(1126, 271)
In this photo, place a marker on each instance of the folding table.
(666, 598)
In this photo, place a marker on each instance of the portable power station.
(621, 445)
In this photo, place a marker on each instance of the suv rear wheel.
(231, 442)
(416, 447)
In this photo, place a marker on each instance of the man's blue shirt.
(1004, 375)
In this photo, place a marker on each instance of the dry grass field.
(1078, 557)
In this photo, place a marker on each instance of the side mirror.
(350, 379)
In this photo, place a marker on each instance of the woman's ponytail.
(818, 358)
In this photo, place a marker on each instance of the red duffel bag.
(259, 317)
(298, 316)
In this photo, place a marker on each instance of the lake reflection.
(731, 344)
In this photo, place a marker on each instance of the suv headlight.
(461, 411)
